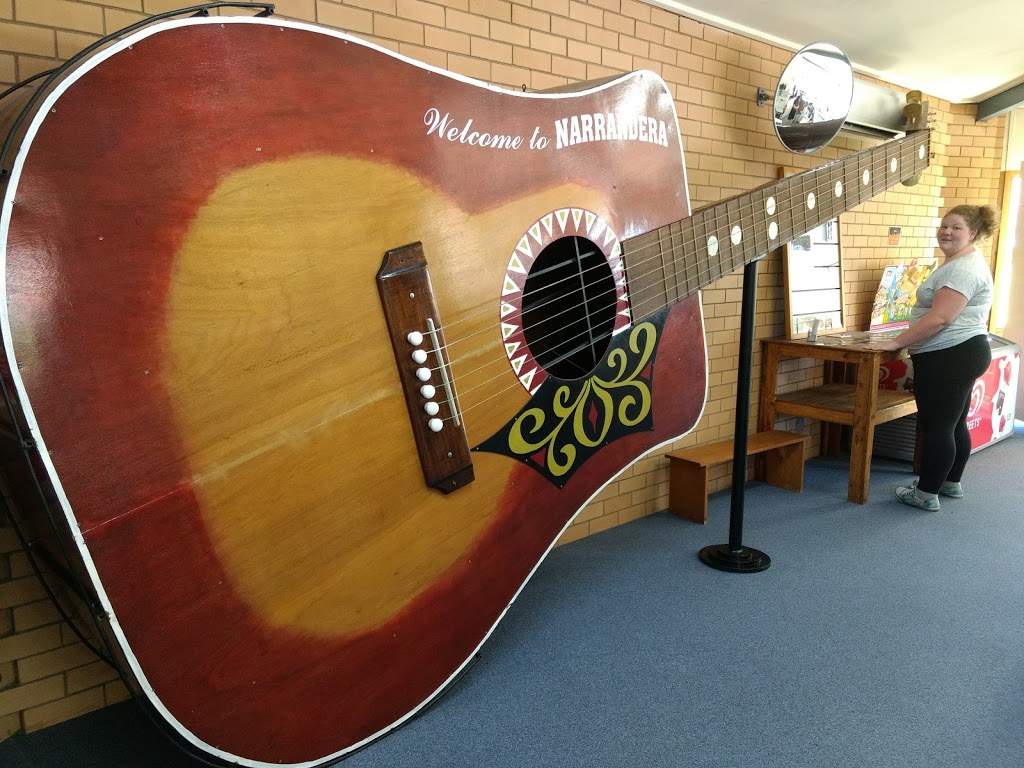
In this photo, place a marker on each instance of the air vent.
(876, 112)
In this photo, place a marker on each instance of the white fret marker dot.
(773, 231)
(893, 165)
(736, 235)
(810, 200)
(920, 153)
(839, 189)
(867, 176)
(769, 206)
(712, 246)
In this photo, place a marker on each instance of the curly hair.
(981, 218)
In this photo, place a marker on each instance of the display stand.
(734, 557)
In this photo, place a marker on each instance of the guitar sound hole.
(568, 307)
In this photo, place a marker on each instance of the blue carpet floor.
(880, 636)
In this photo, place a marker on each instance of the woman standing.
(949, 347)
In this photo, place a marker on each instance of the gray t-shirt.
(968, 275)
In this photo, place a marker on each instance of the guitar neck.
(671, 262)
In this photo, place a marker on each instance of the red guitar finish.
(192, 230)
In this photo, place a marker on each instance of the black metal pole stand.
(735, 557)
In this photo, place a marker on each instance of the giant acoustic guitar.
(317, 350)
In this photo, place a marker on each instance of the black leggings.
(943, 381)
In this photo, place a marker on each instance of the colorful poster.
(897, 292)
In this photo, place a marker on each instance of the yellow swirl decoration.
(529, 432)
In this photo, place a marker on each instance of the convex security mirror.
(813, 98)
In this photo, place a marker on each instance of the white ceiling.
(963, 51)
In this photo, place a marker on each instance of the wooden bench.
(781, 464)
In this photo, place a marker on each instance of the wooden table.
(850, 395)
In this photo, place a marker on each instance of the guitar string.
(876, 163)
(877, 159)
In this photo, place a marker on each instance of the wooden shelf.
(836, 403)
(853, 400)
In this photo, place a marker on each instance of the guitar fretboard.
(676, 260)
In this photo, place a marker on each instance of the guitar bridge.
(418, 342)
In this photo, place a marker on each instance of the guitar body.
(192, 233)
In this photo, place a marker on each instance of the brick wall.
(48, 675)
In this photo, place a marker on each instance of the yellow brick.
(55, 712)
(54, 662)
(488, 49)
(6, 9)
(578, 51)
(416, 10)
(469, 67)
(465, 22)
(588, 14)
(573, 533)
(128, 5)
(99, 673)
(512, 77)
(28, 66)
(114, 692)
(446, 40)
(603, 523)
(8, 538)
(527, 17)
(568, 67)
(345, 18)
(10, 725)
(152, 7)
(115, 20)
(385, 7)
(491, 9)
(34, 615)
(426, 55)
(20, 38)
(21, 591)
(398, 29)
(27, 643)
(531, 59)
(60, 14)
(621, 62)
(31, 695)
(549, 43)
(300, 10)
(70, 43)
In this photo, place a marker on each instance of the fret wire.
(699, 241)
(672, 290)
(679, 245)
(735, 250)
